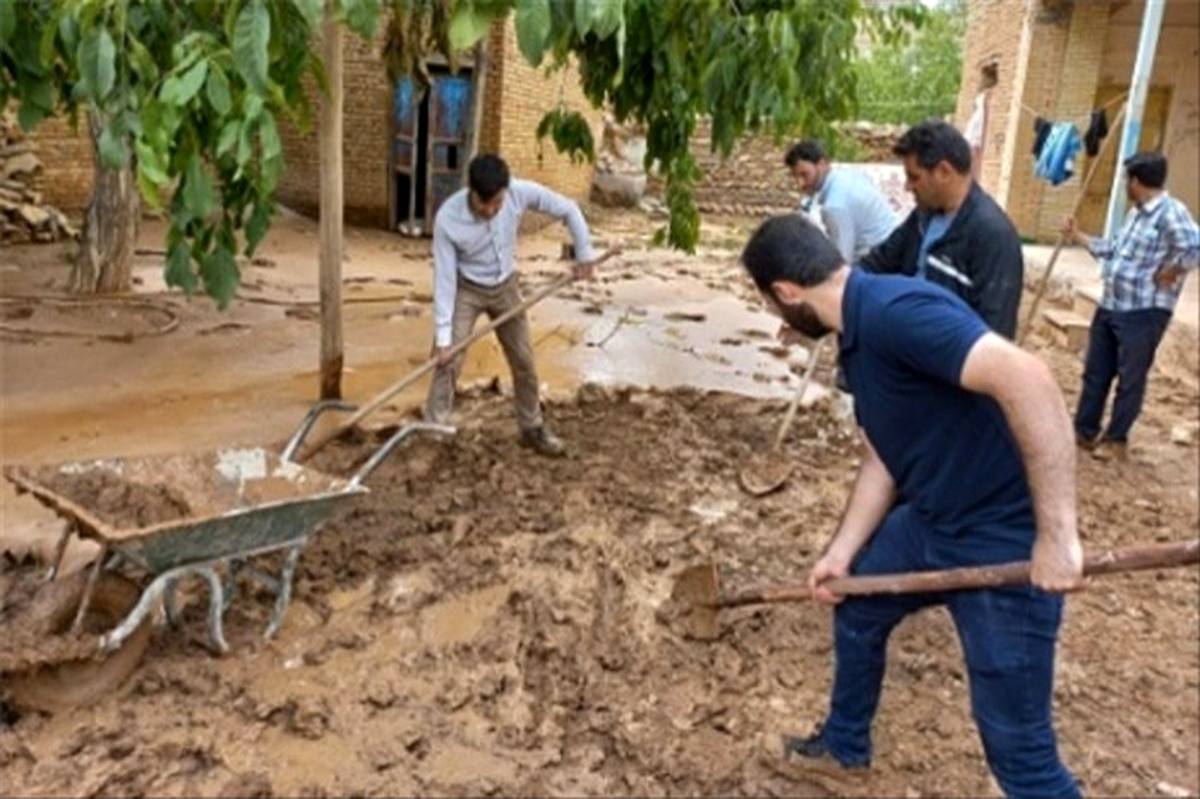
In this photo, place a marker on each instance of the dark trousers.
(1121, 346)
(1007, 636)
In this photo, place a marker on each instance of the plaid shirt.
(1159, 234)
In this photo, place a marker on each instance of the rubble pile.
(23, 215)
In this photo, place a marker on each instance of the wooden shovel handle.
(814, 355)
(1155, 556)
(395, 388)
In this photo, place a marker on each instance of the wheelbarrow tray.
(238, 502)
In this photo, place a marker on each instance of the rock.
(23, 164)
(618, 191)
(1167, 789)
(33, 216)
(1185, 434)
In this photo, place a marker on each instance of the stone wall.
(65, 179)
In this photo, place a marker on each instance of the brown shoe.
(1111, 451)
(543, 442)
(808, 760)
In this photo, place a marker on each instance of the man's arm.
(998, 272)
(539, 198)
(873, 495)
(445, 288)
(1183, 246)
(840, 228)
(1026, 391)
(1098, 246)
(887, 257)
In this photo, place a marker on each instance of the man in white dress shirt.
(474, 239)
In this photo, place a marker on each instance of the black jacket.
(979, 259)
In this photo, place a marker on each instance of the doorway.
(431, 135)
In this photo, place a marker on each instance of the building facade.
(1062, 59)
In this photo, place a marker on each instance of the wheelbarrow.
(232, 505)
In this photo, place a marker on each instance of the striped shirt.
(1156, 235)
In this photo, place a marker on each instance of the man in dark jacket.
(957, 236)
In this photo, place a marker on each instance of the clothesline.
(1079, 120)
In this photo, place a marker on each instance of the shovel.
(698, 589)
(768, 471)
(379, 399)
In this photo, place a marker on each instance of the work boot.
(1109, 450)
(543, 442)
(803, 759)
(1085, 443)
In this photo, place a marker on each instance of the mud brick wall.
(516, 96)
(66, 155)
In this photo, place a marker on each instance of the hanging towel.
(1057, 161)
(1041, 129)
(1097, 130)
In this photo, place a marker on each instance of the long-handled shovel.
(428, 366)
(698, 589)
(768, 471)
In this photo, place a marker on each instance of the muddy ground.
(487, 621)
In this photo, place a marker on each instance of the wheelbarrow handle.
(309, 420)
(404, 432)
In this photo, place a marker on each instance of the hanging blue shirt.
(1057, 161)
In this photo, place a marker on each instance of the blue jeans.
(1007, 636)
(1121, 345)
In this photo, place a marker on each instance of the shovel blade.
(697, 593)
(763, 476)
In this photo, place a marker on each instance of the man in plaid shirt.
(1143, 272)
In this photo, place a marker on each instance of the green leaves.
(570, 133)
(219, 271)
(8, 21)
(533, 28)
(178, 90)
(197, 190)
(471, 21)
(217, 90)
(251, 35)
(179, 267)
(97, 71)
(362, 16)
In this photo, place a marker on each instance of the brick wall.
(515, 98)
(525, 96)
(66, 178)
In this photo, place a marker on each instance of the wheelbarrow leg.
(284, 597)
(216, 609)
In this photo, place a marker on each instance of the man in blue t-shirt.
(969, 460)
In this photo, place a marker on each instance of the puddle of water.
(459, 620)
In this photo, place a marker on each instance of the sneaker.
(1108, 450)
(543, 442)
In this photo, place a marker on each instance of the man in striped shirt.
(1143, 272)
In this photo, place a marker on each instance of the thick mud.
(119, 502)
(489, 621)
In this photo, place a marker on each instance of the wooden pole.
(330, 143)
(1154, 556)
(1031, 317)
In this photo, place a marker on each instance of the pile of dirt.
(488, 621)
(119, 502)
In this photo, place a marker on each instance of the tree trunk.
(104, 264)
(330, 263)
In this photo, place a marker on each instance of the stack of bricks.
(24, 214)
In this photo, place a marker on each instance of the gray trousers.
(472, 300)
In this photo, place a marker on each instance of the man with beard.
(991, 481)
(957, 236)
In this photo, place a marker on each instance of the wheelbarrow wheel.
(62, 684)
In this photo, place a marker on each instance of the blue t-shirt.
(949, 450)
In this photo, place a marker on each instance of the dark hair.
(1150, 169)
(934, 141)
(808, 150)
(790, 248)
(487, 175)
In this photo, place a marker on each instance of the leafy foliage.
(908, 80)
(190, 93)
